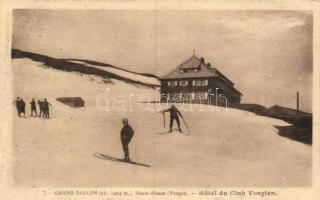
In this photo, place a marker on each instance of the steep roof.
(192, 63)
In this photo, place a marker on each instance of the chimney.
(209, 64)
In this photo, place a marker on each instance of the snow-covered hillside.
(225, 148)
(88, 67)
(122, 73)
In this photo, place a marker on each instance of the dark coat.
(46, 105)
(18, 104)
(33, 105)
(40, 103)
(126, 133)
(23, 105)
(173, 112)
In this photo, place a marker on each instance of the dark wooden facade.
(196, 82)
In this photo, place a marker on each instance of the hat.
(125, 120)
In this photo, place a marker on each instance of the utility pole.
(297, 107)
(297, 102)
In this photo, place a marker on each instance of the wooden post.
(297, 102)
(297, 107)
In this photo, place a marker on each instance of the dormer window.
(195, 70)
(182, 71)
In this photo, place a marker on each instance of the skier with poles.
(174, 115)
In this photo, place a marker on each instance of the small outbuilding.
(290, 115)
(72, 101)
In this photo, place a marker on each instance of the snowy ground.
(225, 148)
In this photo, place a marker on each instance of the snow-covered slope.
(122, 73)
(225, 148)
(91, 68)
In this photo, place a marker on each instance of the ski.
(172, 132)
(106, 157)
(180, 131)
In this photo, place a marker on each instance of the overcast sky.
(267, 54)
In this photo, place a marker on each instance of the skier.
(46, 105)
(22, 107)
(174, 112)
(33, 107)
(126, 136)
(18, 105)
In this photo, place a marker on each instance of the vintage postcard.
(160, 100)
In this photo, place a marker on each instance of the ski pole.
(51, 112)
(164, 120)
(185, 123)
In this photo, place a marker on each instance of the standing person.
(46, 105)
(18, 105)
(33, 107)
(23, 107)
(126, 136)
(174, 112)
(40, 104)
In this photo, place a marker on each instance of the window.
(201, 82)
(198, 96)
(172, 83)
(201, 96)
(164, 96)
(183, 83)
(189, 96)
(180, 96)
(171, 96)
(192, 95)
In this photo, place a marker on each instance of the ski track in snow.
(225, 148)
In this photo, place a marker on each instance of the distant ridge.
(68, 65)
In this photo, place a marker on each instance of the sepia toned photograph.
(165, 98)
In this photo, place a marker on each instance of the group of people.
(126, 133)
(42, 104)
